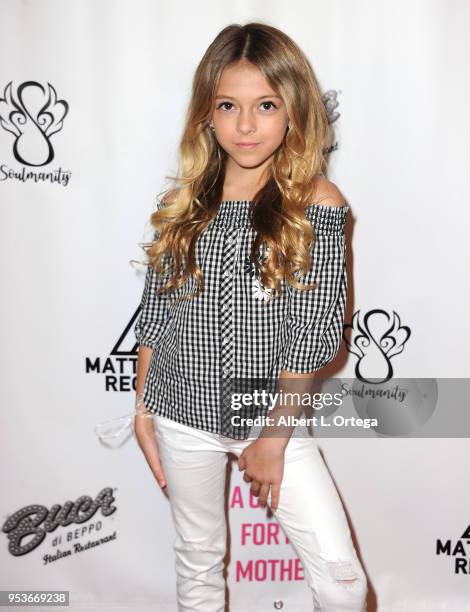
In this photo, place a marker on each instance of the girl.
(248, 214)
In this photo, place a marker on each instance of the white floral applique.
(260, 292)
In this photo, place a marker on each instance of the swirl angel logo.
(375, 341)
(33, 116)
(330, 100)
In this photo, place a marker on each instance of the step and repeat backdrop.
(92, 99)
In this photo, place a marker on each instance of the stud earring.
(211, 126)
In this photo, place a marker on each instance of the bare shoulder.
(327, 193)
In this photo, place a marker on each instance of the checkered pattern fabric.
(236, 329)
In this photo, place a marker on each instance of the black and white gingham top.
(233, 329)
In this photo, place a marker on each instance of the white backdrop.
(121, 72)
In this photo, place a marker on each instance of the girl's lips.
(247, 146)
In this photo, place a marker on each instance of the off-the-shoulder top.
(235, 329)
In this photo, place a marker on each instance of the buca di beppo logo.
(27, 527)
(33, 114)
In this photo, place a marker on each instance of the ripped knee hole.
(342, 571)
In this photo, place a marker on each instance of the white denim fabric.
(310, 512)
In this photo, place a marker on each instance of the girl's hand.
(144, 429)
(263, 462)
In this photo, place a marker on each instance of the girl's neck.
(242, 183)
(240, 191)
(238, 194)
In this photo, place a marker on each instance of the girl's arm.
(148, 330)
(144, 426)
(143, 362)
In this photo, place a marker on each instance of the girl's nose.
(246, 123)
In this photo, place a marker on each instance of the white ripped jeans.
(310, 512)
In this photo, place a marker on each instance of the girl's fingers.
(263, 495)
(161, 480)
(159, 475)
(275, 494)
(255, 487)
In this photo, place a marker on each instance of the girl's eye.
(224, 104)
(269, 102)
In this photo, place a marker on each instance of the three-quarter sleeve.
(154, 309)
(316, 317)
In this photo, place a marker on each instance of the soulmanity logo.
(375, 341)
(331, 103)
(330, 100)
(32, 114)
(401, 406)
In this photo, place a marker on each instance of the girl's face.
(248, 112)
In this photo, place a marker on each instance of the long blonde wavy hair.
(278, 214)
